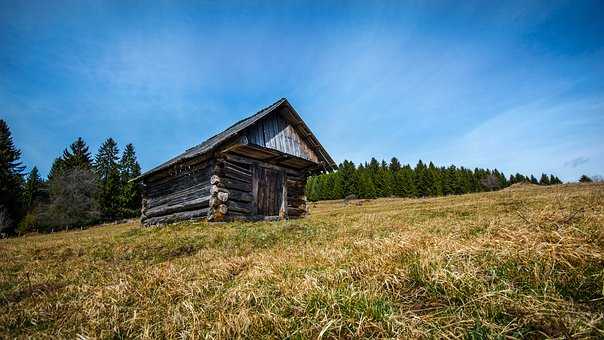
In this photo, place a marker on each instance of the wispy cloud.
(575, 162)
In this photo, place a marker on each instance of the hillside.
(524, 261)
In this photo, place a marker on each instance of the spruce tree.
(56, 169)
(328, 184)
(544, 180)
(382, 180)
(350, 178)
(130, 197)
(366, 186)
(77, 156)
(373, 171)
(310, 189)
(33, 188)
(450, 181)
(421, 180)
(11, 180)
(106, 169)
(406, 182)
(395, 165)
(338, 186)
(435, 186)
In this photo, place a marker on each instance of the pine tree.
(406, 182)
(395, 165)
(389, 179)
(585, 179)
(338, 186)
(77, 156)
(435, 186)
(421, 180)
(350, 178)
(11, 180)
(544, 180)
(534, 180)
(328, 184)
(373, 171)
(450, 181)
(130, 197)
(310, 189)
(56, 169)
(464, 179)
(366, 186)
(106, 169)
(320, 187)
(33, 188)
(382, 180)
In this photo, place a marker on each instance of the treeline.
(80, 190)
(381, 179)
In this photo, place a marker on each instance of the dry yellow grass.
(522, 262)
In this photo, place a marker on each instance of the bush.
(28, 224)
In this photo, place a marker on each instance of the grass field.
(525, 261)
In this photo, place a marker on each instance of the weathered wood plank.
(199, 189)
(230, 183)
(245, 160)
(230, 172)
(241, 207)
(242, 196)
(193, 204)
(168, 173)
(179, 216)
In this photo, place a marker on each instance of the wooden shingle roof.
(235, 129)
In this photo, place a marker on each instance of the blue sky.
(517, 85)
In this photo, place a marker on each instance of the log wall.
(245, 196)
(228, 187)
(182, 192)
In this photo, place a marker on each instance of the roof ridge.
(278, 102)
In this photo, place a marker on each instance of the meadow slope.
(519, 262)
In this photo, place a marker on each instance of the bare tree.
(490, 182)
(597, 178)
(73, 200)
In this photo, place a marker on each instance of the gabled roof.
(218, 139)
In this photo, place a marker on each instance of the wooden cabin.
(254, 170)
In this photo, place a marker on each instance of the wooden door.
(268, 186)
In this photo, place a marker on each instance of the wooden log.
(230, 172)
(236, 185)
(176, 185)
(194, 204)
(295, 211)
(179, 216)
(198, 189)
(241, 207)
(167, 174)
(215, 180)
(180, 200)
(295, 202)
(244, 168)
(222, 196)
(241, 196)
